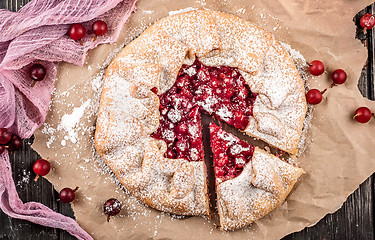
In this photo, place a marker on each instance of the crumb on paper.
(171, 13)
(241, 10)
(148, 11)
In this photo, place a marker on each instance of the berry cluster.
(9, 141)
(42, 167)
(77, 31)
(314, 96)
(37, 72)
(316, 68)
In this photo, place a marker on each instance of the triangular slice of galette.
(250, 182)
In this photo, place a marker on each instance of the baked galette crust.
(129, 109)
(264, 184)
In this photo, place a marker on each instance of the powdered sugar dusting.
(224, 113)
(302, 67)
(25, 179)
(279, 111)
(264, 182)
(70, 125)
(69, 122)
(123, 139)
(174, 115)
(191, 71)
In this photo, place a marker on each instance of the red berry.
(2, 149)
(41, 167)
(240, 161)
(77, 31)
(316, 68)
(67, 195)
(214, 82)
(112, 207)
(182, 128)
(182, 82)
(154, 90)
(240, 121)
(228, 92)
(186, 93)
(362, 115)
(99, 28)
(5, 135)
(171, 153)
(37, 72)
(339, 76)
(15, 143)
(219, 172)
(242, 92)
(221, 162)
(367, 21)
(181, 145)
(314, 96)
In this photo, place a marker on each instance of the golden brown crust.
(262, 186)
(129, 111)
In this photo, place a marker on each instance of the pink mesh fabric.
(38, 34)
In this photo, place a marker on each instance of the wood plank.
(3, 4)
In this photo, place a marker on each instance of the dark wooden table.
(355, 220)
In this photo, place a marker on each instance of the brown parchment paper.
(339, 151)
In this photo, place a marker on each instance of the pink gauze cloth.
(38, 34)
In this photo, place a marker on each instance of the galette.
(149, 132)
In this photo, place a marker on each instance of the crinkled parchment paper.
(339, 151)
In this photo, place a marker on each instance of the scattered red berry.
(15, 143)
(99, 28)
(41, 167)
(112, 207)
(154, 90)
(77, 31)
(314, 96)
(316, 67)
(338, 76)
(367, 21)
(37, 72)
(5, 135)
(67, 195)
(171, 153)
(362, 115)
(2, 149)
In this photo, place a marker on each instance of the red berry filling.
(183, 137)
(229, 152)
(219, 91)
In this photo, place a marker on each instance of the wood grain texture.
(353, 221)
